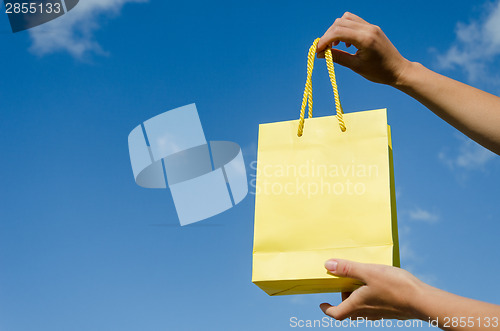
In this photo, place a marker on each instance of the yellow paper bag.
(324, 189)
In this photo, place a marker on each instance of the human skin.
(393, 293)
(474, 112)
(390, 292)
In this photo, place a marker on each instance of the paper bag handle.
(308, 98)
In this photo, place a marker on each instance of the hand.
(376, 58)
(389, 292)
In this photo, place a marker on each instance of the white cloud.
(406, 252)
(470, 156)
(411, 253)
(73, 32)
(419, 214)
(477, 44)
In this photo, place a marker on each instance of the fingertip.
(328, 309)
(331, 265)
(324, 306)
(321, 45)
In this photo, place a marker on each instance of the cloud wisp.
(74, 32)
(470, 156)
(419, 214)
(476, 46)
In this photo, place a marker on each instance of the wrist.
(420, 302)
(408, 70)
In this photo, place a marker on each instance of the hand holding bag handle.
(308, 98)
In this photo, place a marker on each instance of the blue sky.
(82, 247)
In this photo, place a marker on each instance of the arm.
(393, 293)
(472, 111)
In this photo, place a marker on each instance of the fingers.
(355, 25)
(328, 309)
(360, 30)
(335, 33)
(350, 269)
(344, 58)
(341, 30)
(340, 312)
(353, 17)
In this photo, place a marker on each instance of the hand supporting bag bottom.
(326, 193)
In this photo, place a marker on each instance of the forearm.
(474, 112)
(453, 312)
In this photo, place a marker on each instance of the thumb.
(350, 269)
(340, 312)
(344, 58)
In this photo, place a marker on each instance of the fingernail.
(331, 265)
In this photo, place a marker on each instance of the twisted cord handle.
(307, 99)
